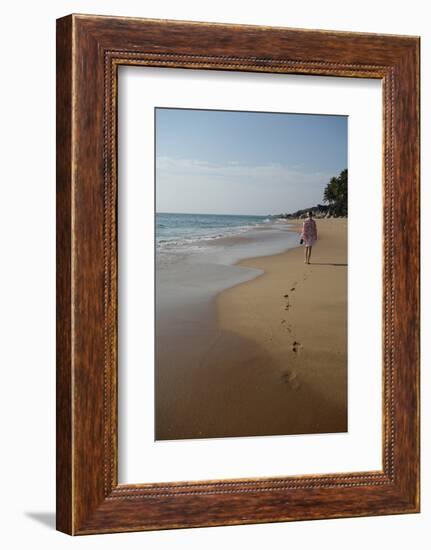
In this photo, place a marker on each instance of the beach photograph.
(251, 248)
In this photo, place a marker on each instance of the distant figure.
(308, 236)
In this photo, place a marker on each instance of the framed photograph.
(237, 274)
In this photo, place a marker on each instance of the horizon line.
(214, 214)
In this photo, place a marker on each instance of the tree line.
(335, 194)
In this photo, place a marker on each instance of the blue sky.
(231, 162)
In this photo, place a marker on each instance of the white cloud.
(187, 185)
(235, 170)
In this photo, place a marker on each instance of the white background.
(141, 458)
(27, 125)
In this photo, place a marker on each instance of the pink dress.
(309, 232)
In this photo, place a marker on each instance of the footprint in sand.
(291, 378)
(287, 306)
(296, 346)
(288, 327)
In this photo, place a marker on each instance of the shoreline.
(255, 367)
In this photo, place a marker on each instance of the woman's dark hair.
(310, 213)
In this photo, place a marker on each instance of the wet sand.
(269, 355)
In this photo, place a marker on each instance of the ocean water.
(185, 230)
(197, 256)
(195, 250)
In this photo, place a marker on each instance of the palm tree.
(335, 194)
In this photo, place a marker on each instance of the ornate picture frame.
(89, 51)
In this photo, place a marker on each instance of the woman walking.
(308, 236)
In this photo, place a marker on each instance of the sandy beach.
(268, 356)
